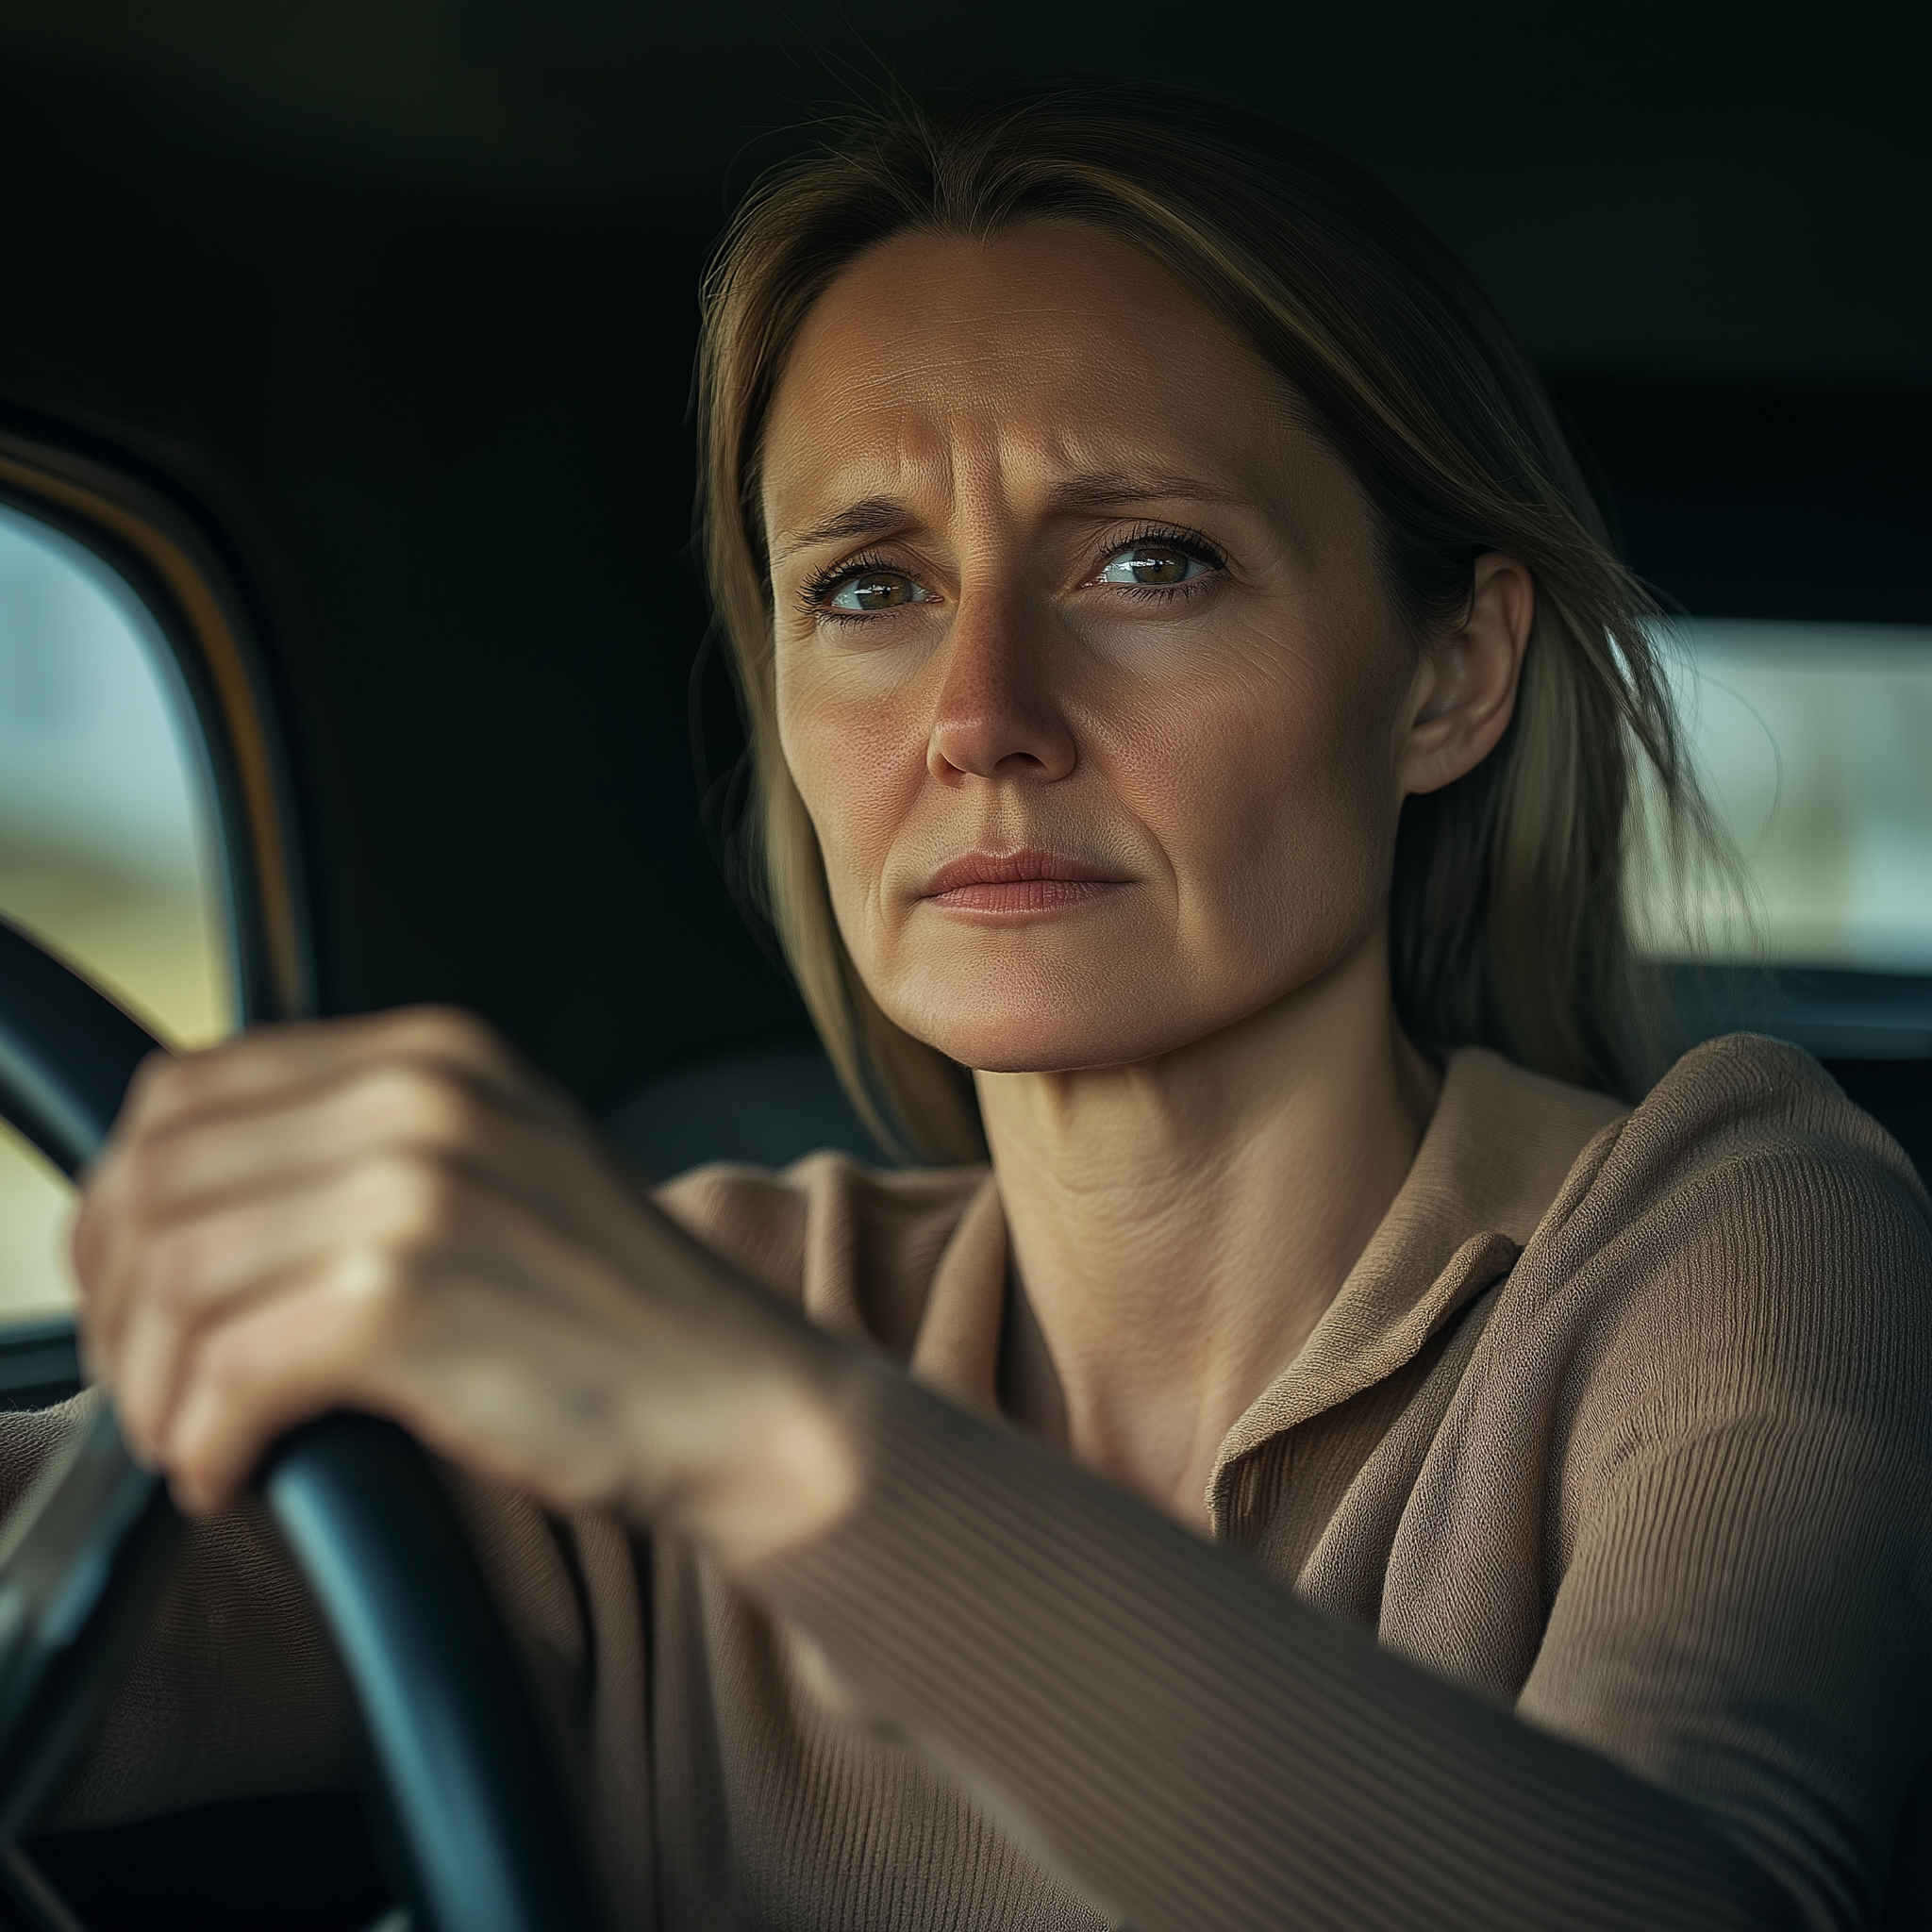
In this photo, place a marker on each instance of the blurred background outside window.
(1814, 744)
(107, 849)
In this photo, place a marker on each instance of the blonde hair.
(1506, 912)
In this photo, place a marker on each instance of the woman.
(1353, 1470)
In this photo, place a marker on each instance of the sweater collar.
(1492, 1161)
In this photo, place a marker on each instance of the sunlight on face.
(1085, 672)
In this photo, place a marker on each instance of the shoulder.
(1745, 1230)
(1750, 1119)
(827, 1229)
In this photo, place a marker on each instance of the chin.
(1051, 1033)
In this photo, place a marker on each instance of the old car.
(352, 652)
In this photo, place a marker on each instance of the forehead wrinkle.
(1093, 492)
(930, 352)
(948, 466)
(977, 463)
(1104, 489)
(891, 482)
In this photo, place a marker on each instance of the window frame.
(166, 560)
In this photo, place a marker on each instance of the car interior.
(353, 650)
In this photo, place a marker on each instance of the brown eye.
(874, 590)
(1152, 563)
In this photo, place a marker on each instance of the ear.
(1464, 693)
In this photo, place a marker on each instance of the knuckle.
(371, 1289)
(141, 1173)
(157, 1079)
(424, 1103)
(172, 1272)
(416, 1198)
(226, 1365)
(377, 1289)
(451, 1031)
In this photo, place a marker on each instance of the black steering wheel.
(478, 1818)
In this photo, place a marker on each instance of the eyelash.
(820, 584)
(1189, 543)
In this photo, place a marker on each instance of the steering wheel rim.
(481, 1824)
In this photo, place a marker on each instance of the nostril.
(992, 721)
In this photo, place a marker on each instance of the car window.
(107, 848)
(1814, 743)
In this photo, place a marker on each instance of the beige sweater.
(1577, 1572)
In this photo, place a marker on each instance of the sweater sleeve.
(1746, 1491)
(1199, 1749)
(233, 1690)
(1730, 1699)
(1743, 1620)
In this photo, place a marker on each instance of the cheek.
(858, 761)
(1272, 793)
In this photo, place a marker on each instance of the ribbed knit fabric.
(1622, 1427)
(1574, 1573)
(1200, 1749)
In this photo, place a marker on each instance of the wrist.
(750, 1449)
(786, 1469)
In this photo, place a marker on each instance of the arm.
(392, 1217)
(1199, 1748)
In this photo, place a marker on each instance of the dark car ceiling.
(1737, 191)
(401, 293)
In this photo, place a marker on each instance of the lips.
(1019, 882)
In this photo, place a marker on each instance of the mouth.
(1019, 882)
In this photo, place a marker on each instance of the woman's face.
(1085, 670)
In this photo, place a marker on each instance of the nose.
(997, 715)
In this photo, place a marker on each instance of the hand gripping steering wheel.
(486, 1840)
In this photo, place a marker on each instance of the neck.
(1180, 1225)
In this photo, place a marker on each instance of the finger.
(151, 1270)
(379, 1227)
(155, 1171)
(277, 1066)
(267, 1060)
(189, 1282)
(87, 1232)
(168, 1175)
(408, 1334)
(277, 1141)
(374, 1224)
(291, 1356)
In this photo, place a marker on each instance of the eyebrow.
(1097, 490)
(873, 517)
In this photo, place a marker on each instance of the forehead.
(1053, 347)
